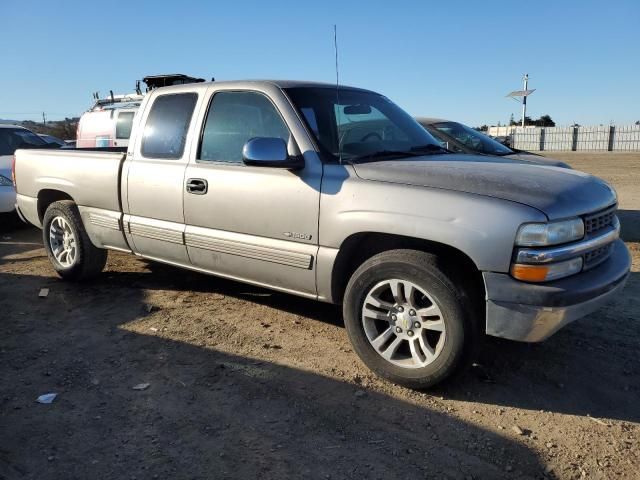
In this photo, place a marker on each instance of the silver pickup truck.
(338, 195)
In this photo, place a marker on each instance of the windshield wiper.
(418, 151)
(382, 154)
(430, 148)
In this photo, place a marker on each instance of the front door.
(257, 224)
(154, 181)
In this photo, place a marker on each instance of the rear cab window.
(165, 131)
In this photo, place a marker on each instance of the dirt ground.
(247, 383)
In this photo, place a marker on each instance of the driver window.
(233, 119)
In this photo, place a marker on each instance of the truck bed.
(90, 178)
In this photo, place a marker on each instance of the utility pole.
(44, 118)
(524, 94)
(524, 97)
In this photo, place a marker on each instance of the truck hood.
(557, 192)
(537, 159)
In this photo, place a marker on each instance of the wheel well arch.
(359, 247)
(46, 197)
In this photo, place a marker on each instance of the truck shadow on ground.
(15, 242)
(588, 368)
(584, 369)
(10, 222)
(204, 412)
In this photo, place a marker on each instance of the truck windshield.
(473, 139)
(357, 125)
(12, 139)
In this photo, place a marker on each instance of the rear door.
(156, 164)
(257, 224)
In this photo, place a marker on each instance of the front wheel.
(68, 246)
(407, 319)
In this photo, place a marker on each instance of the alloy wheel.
(403, 323)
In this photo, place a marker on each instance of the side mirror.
(269, 152)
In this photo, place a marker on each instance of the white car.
(13, 137)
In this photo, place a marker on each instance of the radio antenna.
(335, 46)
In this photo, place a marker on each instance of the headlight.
(546, 272)
(552, 233)
(5, 182)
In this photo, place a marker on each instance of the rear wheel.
(68, 246)
(407, 319)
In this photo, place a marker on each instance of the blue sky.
(455, 60)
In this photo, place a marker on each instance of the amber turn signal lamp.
(530, 273)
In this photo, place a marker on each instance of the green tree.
(543, 121)
(63, 129)
(527, 121)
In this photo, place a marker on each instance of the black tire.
(455, 304)
(89, 260)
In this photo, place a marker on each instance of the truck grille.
(597, 256)
(593, 224)
(599, 220)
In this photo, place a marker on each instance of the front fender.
(483, 228)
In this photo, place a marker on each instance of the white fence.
(626, 138)
(597, 138)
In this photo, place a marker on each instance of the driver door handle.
(197, 186)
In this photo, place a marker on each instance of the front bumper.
(532, 312)
(7, 199)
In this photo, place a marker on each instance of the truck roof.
(262, 83)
